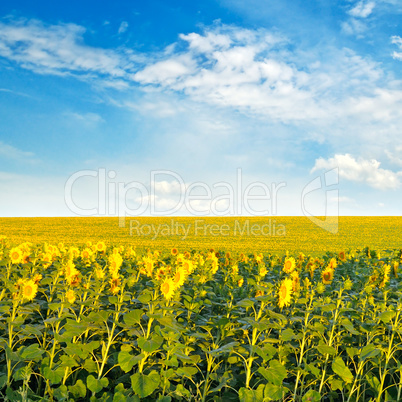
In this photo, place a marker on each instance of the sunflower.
(188, 267)
(160, 273)
(168, 288)
(285, 292)
(70, 270)
(115, 285)
(289, 265)
(342, 256)
(262, 270)
(86, 254)
(29, 289)
(327, 275)
(100, 246)
(148, 266)
(70, 296)
(295, 281)
(240, 282)
(179, 277)
(395, 266)
(332, 264)
(215, 266)
(99, 273)
(37, 278)
(115, 261)
(16, 255)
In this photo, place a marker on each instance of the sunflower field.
(108, 322)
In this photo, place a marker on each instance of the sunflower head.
(16, 255)
(70, 296)
(179, 277)
(100, 246)
(285, 292)
(167, 288)
(327, 275)
(29, 290)
(342, 256)
(289, 265)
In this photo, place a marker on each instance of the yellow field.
(262, 234)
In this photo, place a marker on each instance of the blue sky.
(171, 98)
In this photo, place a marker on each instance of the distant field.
(262, 234)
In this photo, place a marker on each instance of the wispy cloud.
(57, 49)
(362, 9)
(361, 170)
(359, 12)
(397, 40)
(10, 91)
(123, 27)
(91, 118)
(330, 90)
(12, 153)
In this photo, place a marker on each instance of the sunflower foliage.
(107, 322)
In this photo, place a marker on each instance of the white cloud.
(362, 9)
(395, 156)
(57, 49)
(356, 24)
(10, 152)
(397, 40)
(123, 27)
(166, 187)
(353, 27)
(91, 118)
(360, 170)
(251, 71)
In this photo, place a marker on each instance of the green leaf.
(165, 398)
(369, 351)
(127, 360)
(133, 317)
(311, 396)
(150, 345)
(326, 350)
(287, 334)
(79, 390)
(273, 392)
(275, 374)
(224, 349)
(339, 367)
(32, 352)
(144, 298)
(61, 393)
(54, 376)
(247, 395)
(336, 384)
(386, 316)
(144, 385)
(182, 392)
(349, 326)
(96, 385)
(186, 371)
(90, 366)
(3, 380)
(245, 303)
